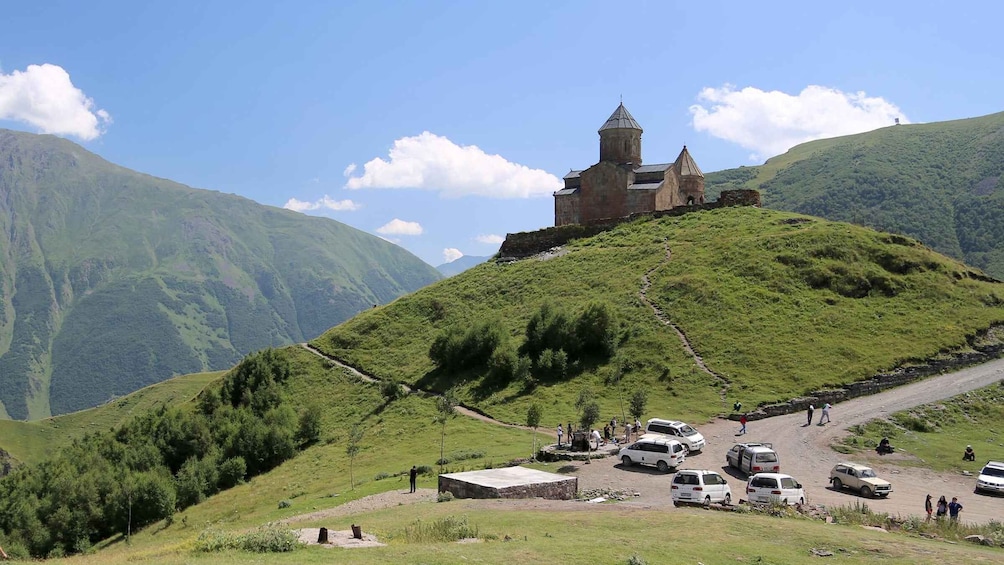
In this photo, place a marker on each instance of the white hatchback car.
(675, 429)
(775, 487)
(700, 486)
(991, 478)
(665, 454)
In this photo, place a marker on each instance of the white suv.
(701, 487)
(775, 487)
(675, 429)
(991, 477)
(665, 454)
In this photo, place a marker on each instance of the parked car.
(991, 477)
(675, 429)
(752, 458)
(775, 487)
(700, 486)
(665, 454)
(859, 478)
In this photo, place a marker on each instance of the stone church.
(619, 185)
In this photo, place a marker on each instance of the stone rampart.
(527, 244)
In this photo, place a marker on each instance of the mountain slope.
(776, 304)
(460, 265)
(111, 280)
(941, 183)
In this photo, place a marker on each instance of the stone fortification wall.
(526, 244)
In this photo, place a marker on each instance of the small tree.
(590, 415)
(638, 401)
(533, 420)
(446, 408)
(352, 448)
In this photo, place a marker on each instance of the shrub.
(391, 390)
(444, 496)
(268, 539)
(284, 504)
(447, 529)
(308, 429)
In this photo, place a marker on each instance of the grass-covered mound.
(776, 303)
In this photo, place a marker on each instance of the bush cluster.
(268, 539)
(163, 461)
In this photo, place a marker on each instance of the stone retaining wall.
(526, 244)
(556, 490)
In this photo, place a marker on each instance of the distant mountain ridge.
(111, 280)
(461, 264)
(941, 182)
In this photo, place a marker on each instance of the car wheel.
(866, 492)
(837, 485)
(707, 500)
(662, 466)
(626, 461)
(728, 499)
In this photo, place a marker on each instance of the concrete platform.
(509, 482)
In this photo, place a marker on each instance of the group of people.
(942, 508)
(609, 433)
(825, 415)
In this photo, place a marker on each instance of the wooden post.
(357, 531)
(322, 536)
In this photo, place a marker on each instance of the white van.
(665, 454)
(775, 487)
(700, 486)
(675, 429)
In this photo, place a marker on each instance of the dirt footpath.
(805, 453)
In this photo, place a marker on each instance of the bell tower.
(620, 138)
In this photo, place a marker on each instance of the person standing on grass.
(942, 508)
(627, 432)
(953, 510)
(559, 435)
(826, 414)
(413, 477)
(811, 410)
(929, 508)
(743, 420)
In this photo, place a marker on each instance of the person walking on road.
(413, 477)
(928, 508)
(953, 510)
(826, 414)
(811, 410)
(743, 420)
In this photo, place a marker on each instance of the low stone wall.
(527, 244)
(878, 383)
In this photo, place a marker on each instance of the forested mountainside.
(941, 183)
(111, 279)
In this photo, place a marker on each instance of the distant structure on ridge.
(619, 185)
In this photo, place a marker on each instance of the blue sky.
(475, 109)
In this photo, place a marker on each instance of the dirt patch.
(337, 538)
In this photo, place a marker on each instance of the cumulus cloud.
(770, 123)
(43, 97)
(432, 162)
(490, 238)
(451, 254)
(325, 202)
(400, 227)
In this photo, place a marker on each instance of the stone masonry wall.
(526, 244)
(560, 490)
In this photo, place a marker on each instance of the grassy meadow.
(776, 303)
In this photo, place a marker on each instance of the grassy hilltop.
(777, 304)
(940, 183)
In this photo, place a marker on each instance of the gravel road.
(805, 453)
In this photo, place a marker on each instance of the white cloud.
(770, 123)
(490, 238)
(431, 162)
(349, 170)
(400, 227)
(325, 202)
(44, 97)
(451, 254)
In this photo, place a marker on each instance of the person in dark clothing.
(413, 476)
(884, 447)
(969, 455)
(810, 411)
(942, 508)
(929, 508)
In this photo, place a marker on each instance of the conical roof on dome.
(687, 166)
(621, 119)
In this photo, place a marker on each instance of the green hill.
(940, 183)
(777, 304)
(111, 280)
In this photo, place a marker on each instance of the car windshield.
(867, 473)
(687, 430)
(990, 471)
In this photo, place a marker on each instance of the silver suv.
(665, 454)
(991, 477)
